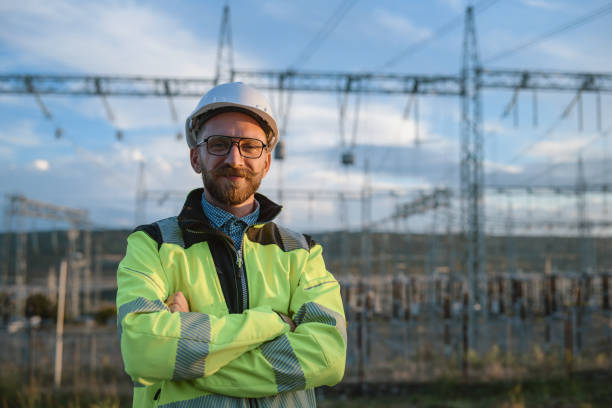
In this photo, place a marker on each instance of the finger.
(181, 300)
(177, 302)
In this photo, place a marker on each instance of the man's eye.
(217, 144)
(251, 146)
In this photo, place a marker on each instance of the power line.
(328, 27)
(548, 133)
(553, 166)
(441, 31)
(567, 26)
(605, 172)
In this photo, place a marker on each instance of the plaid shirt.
(228, 223)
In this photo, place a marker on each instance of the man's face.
(230, 179)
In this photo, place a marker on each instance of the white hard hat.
(237, 97)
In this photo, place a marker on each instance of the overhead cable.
(441, 31)
(567, 26)
(549, 132)
(328, 27)
(581, 150)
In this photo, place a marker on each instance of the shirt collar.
(219, 217)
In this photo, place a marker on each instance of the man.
(220, 306)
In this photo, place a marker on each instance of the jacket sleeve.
(311, 356)
(159, 345)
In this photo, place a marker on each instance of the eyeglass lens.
(221, 145)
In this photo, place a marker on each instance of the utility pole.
(366, 221)
(472, 175)
(59, 328)
(6, 244)
(87, 269)
(224, 69)
(587, 254)
(510, 240)
(21, 253)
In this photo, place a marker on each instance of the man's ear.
(194, 159)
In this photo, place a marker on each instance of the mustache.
(232, 171)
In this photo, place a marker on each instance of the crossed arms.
(254, 354)
(178, 303)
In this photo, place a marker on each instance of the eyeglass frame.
(232, 142)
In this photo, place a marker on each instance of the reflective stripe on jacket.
(219, 353)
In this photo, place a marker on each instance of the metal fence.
(400, 329)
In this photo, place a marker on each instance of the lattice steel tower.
(472, 175)
(224, 69)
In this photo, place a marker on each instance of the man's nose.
(234, 156)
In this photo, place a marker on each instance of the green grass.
(586, 390)
(582, 390)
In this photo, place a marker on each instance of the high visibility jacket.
(232, 349)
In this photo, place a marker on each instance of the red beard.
(227, 192)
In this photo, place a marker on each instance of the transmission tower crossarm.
(369, 82)
(90, 85)
(304, 81)
(302, 194)
(38, 209)
(440, 197)
(546, 80)
(548, 189)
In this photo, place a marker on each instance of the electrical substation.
(473, 279)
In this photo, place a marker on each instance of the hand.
(287, 320)
(177, 302)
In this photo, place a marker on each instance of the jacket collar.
(192, 215)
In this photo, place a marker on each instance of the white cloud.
(137, 155)
(20, 134)
(544, 4)
(104, 37)
(316, 120)
(559, 50)
(41, 164)
(398, 25)
(576, 52)
(558, 149)
(5, 152)
(494, 126)
(491, 166)
(279, 10)
(456, 5)
(107, 38)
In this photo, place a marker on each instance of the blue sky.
(88, 168)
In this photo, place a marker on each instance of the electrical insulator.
(348, 158)
(59, 132)
(119, 135)
(279, 151)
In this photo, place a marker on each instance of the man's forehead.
(234, 123)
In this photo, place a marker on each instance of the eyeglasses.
(218, 145)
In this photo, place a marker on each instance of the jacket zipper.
(238, 274)
(242, 276)
(245, 296)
